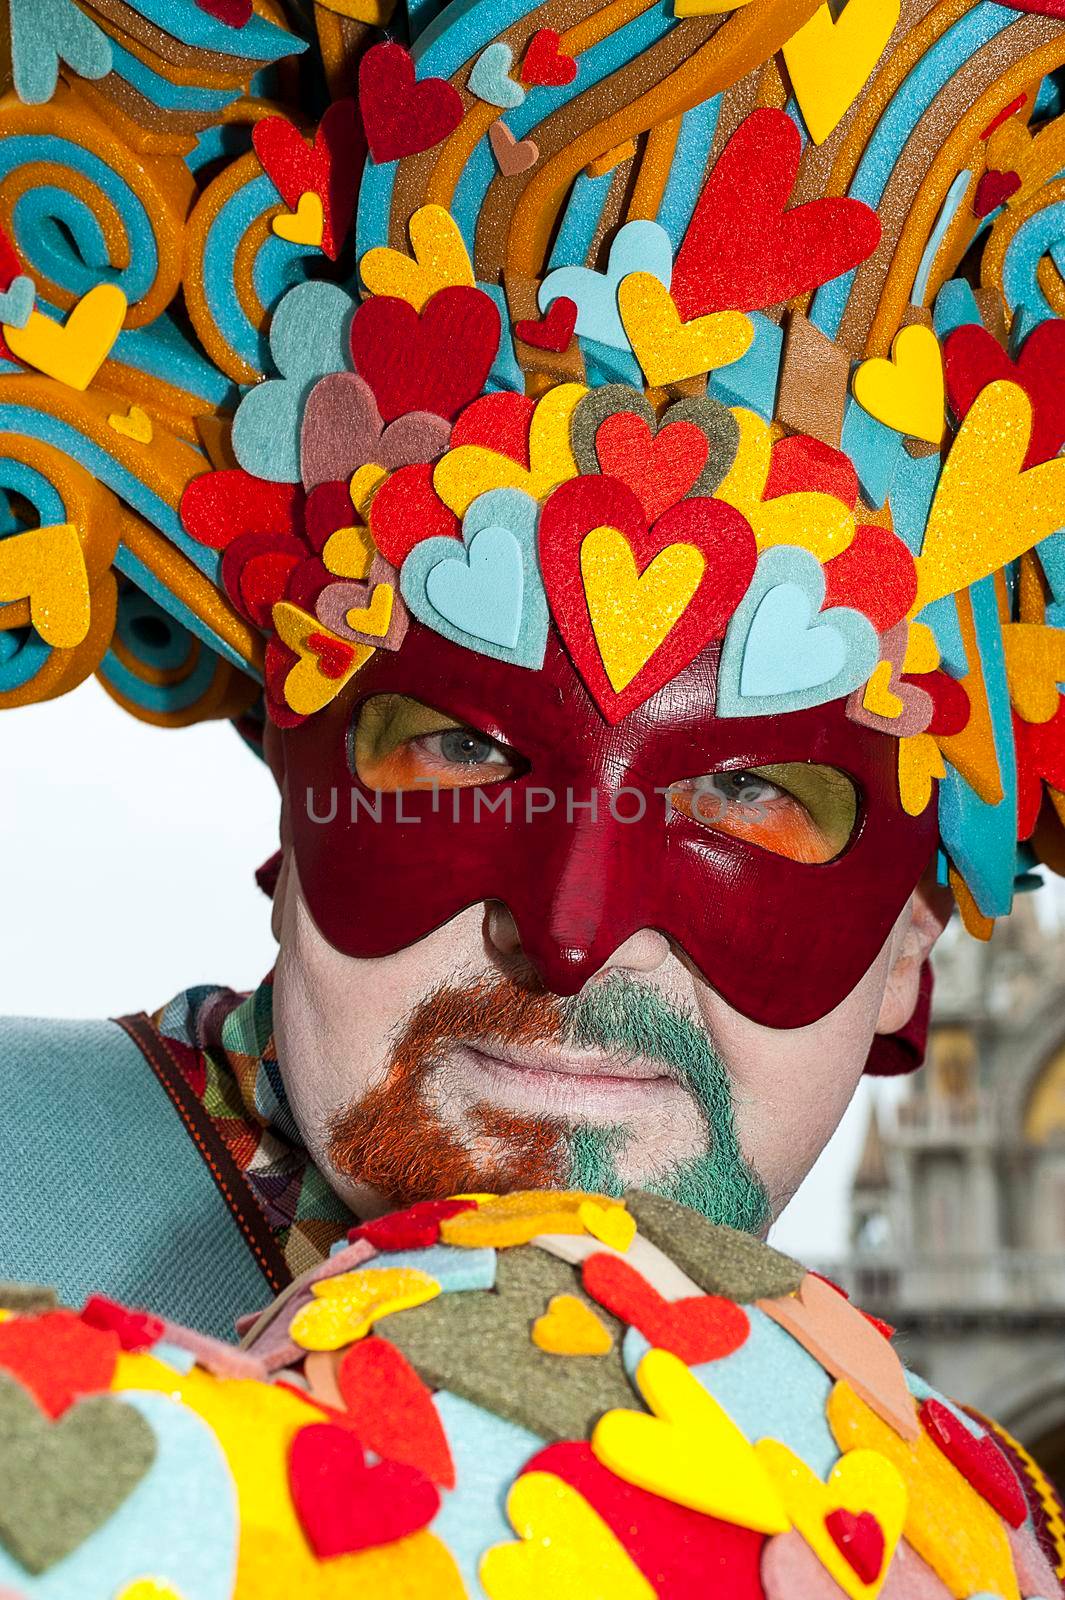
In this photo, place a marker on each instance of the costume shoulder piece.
(496, 1398)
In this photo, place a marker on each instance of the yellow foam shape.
(690, 1451)
(632, 612)
(376, 12)
(813, 521)
(947, 1522)
(307, 687)
(346, 1307)
(829, 61)
(511, 1219)
(471, 470)
(305, 225)
(862, 1480)
(135, 425)
(566, 1549)
(376, 617)
(705, 8)
(73, 351)
(922, 651)
(47, 567)
(920, 761)
(906, 392)
(569, 1327)
(988, 511)
(349, 552)
(972, 751)
(441, 260)
(1035, 665)
(365, 482)
(612, 1225)
(878, 697)
(668, 349)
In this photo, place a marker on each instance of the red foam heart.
(875, 575)
(435, 361)
(973, 358)
(659, 468)
(405, 510)
(499, 422)
(219, 506)
(544, 63)
(233, 13)
(980, 1461)
(344, 1505)
(951, 713)
(860, 1539)
(704, 1327)
(134, 1330)
(799, 464)
(329, 168)
(401, 116)
(743, 251)
(58, 1357)
(416, 1228)
(334, 655)
(255, 572)
(553, 331)
(719, 531)
(392, 1411)
(675, 1548)
(993, 190)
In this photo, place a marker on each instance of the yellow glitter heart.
(441, 260)
(47, 567)
(346, 1307)
(135, 425)
(668, 349)
(632, 612)
(816, 522)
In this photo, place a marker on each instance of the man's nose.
(564, 968)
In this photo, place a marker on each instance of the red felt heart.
(219, 506)
(499, 422)
(973, 358)
(329, 168)
(949, 698)
(435, 361)
(401, 116)
(416, 1228)
(545, 63)
(860, 1539)
(554, 331)
(875, 575)
(716, 529)
(704, 1327)
(233, 13)
(392, 1411)
(405, 510)
(993, 190)
(980, 1461)
(799, 464)
(674, 1547)
(743, 251)
(255, 572)
(58, 1357)
(659, 468)
(334, 655)
(344, 1505)
(134, 1330)
(328, 508)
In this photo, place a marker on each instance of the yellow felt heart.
(906, 393)
(920, 761)
(365, 482)
(862, 1480)
(569, 1327)
(987, 510)
(47, 567)
(346, 1307)
(612, 1225)
(878, 697)
(632, 612)
(375, 617)
(471, 470)
(566, 1549)
(307, 687)
(349, 552)
(135, 425)
(73, 351)
(829, 60)
(305, 225)
(1035, 665)
(668, 349)
(510, 1219)
(441, 260)
(816, 522)
(690, 1451)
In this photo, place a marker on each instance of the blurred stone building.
(958, 1204)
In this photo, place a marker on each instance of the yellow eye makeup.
(398, 743)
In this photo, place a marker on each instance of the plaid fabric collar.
(223, 1044)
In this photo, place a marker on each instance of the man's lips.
(555, 1071)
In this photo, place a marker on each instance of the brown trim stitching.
(253, 1226)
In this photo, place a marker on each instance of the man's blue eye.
(463, 748)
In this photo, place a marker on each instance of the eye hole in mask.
(399, 743)
(796, 809)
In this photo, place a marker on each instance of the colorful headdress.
(655, 326)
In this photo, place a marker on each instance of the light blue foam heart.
(488, 596)
(639, 247)
(490, 79)
(45, 32)
(781, 651)
(17, 300)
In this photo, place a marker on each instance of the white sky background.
(129, 855)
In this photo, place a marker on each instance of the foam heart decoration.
(689, 1450)
(973, 358)
(906, 393)
(57, 1357)
(861, 1540)
(745, 250)
(875, 575)
(73, 351)
(328, 170)
(416, 1228)
(812, 520)
(401, 116)
(392, 1411)
(513, 156)
(346, 1307)
(509, 1219)
(500, 422)
(305, 225)
(800, 463)
(47, 567)
(134, 1330)
(441, 260)
(570, 1328)
(920, 764)
(832, 56)
(631, 626)
(344, 1505)
(611, 1225)
(358, 612)
(980, 1461)
(349, 552)
(218, 507)
(702, 1328)
(545, 64)
(342, 431)
(862, 1483)
(565, 1549)
(469, 471)
(781, 651)
(1035, 665)
(638, 247)
(256, 569)
(661, 468)
(552, 332)
(668, 349)
(45, 32)
(993, 189)
(490, 78)
(435, 361)
(324, 663)
(406, 510)
(17, 301)
(135, 425)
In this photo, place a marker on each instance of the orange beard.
(396, 1142)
